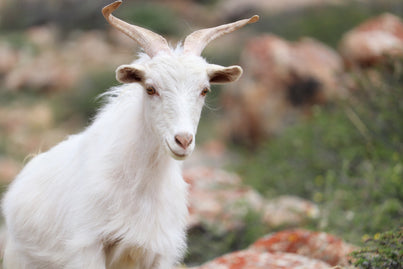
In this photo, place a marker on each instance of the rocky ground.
(220, 199)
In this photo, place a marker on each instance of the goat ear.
(221, 74)
(130, 74)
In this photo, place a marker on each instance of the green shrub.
(21, 14)
(348, 158)
(156, 17)
(206, 243)
(383, 251)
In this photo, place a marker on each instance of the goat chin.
(179, 155)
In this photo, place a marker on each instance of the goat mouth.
(179, 156)
(176, 155)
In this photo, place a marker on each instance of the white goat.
(113, 196)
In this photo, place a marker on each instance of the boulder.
(48, 62)
(372, 41)
(236, 8)
(289, 249)
(8, 57)
(9, 168)
(316, 245)
(221, 200)
(289, 211)
(251, 259)
(282, 81)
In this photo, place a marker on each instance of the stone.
(316, 245)
(282, 82)
(251, 259)
(373, 41)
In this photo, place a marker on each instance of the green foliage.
(348, 158)
(156, 17)
(67, 15)
(75, 14)
(383, 251)
(206, 243)
(326, 22)
(83, 101)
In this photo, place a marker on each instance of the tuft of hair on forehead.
(174, 63)
(142, 56)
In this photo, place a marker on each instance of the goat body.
(113, 196)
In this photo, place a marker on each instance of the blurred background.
(311, 137)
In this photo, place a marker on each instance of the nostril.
(190, 139)
(184, 140)
(178, 140)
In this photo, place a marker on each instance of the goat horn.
(151, 42)
(198, 40)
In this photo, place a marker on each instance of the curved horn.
(198, 40)
(151, 42)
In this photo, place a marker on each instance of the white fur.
(113, 196)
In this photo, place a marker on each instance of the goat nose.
(184, 140)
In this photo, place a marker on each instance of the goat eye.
(151, 91)
(204, 91)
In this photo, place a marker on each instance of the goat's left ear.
(221, 74)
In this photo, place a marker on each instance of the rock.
(20, 118)
(43, 37)
(282, 81)
(289, 211)
(289, 249)
(219, 199)
(236, 8)
(46, 62)
(8, 57)
(212, 154)
(251, 259)
(40, 116)
(28, 129)
(317, 245)
(47, 71)
(372, 41)
(9, 168)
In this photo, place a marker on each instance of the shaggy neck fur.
(128, 139)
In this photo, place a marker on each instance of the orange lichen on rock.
(318, 245)
(289, 249)
(252, 259)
